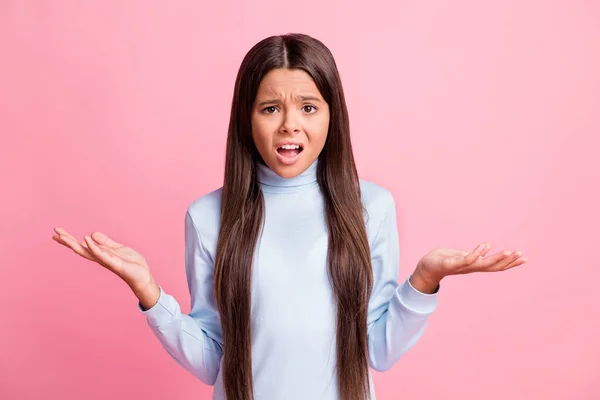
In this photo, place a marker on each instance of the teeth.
(289, 146)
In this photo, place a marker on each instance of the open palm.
(443, 262)
(125, 262)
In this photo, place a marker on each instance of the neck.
(271, 182)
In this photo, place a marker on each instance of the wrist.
(423, 281)
(141, 284)
(148, 295)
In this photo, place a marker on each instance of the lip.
(279, 144)
(287, 160)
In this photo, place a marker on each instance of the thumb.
(102, 239)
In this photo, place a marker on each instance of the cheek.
(261, 134)
(318, 130)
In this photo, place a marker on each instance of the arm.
(194, 340)
(397, 314)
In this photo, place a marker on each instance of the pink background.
(481, 117)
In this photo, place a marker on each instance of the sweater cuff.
(163, 312)
(422, 303)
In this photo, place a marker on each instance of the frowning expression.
(290, 121)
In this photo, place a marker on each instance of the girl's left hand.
(442, 262)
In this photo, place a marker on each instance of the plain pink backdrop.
(482, 118)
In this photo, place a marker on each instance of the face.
(290, 120)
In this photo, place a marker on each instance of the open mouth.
(289, 151)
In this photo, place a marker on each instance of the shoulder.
(378, 203)
(376, 198)
(205, 213)
(206, 203)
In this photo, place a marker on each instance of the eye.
(269, 110)
(314, 109)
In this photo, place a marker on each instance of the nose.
(290, 123)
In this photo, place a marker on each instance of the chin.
(287, 171)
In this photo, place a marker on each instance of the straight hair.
(242, 218)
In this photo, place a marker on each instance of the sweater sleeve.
(194, 340)
(397, 314)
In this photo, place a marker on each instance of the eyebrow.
(301, 98)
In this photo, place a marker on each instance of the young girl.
(292, 265)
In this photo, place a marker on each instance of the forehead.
(281, 82)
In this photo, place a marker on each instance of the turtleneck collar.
(271, 182)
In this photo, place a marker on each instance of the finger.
(482, 263)
(64, 240)
(59, 240)
(467, 261)
(516, 263)
(485, 250)
(62, 233)
(76, 247)
(106, 259)
(506, 261)
(495, 258)
(475, 254)
(102, 239)
(508, 258)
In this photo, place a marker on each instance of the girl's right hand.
(126, 263)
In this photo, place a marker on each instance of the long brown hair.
(242, 213)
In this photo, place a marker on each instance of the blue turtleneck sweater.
(293, 313)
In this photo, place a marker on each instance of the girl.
(292, 265)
